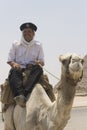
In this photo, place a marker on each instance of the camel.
(42, 114)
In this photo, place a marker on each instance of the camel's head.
(72, 66)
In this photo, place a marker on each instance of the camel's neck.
(63, 104)
(67, 89)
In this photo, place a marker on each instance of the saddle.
(7, 95)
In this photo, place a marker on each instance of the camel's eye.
(76, 60)
(73, 60)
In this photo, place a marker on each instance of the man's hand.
(15, 65)
(37, 62)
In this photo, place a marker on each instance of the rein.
(51, 74)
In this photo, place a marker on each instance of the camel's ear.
(61, 58)
(64, 58)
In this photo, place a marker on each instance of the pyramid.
(82, 85)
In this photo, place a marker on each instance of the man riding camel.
(28, 53)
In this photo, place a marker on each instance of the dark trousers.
(34, 77)
(16, 80)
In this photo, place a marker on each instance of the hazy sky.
(62, 28)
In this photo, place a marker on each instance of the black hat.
(28, 25)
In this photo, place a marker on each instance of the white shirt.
(26, 54)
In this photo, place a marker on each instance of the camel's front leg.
(8, 118)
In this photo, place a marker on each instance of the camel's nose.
(76, 66)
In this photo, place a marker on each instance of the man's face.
(28, 34)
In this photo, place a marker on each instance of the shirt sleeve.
(12, 53)
(41, 54)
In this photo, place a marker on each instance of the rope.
(51, 74)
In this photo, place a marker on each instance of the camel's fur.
(40, 113)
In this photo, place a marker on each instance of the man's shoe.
(20, 100)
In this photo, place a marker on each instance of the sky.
(62, 28)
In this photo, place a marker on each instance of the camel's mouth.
(76, 70)
(76, 67)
